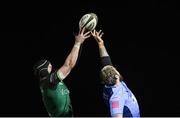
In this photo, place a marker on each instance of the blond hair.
(109, 75)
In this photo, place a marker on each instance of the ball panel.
(89, 21)
(91, 25)
(84, 20)
(94, 16)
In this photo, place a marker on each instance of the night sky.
(141, 38)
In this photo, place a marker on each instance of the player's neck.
(117, 82)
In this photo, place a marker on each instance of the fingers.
(101, 34)
(98, 34)
(93, 33)
(86, 33)
(87, 36)
(82, 31)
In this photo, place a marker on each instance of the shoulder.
(52, 79)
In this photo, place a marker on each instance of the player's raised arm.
(72, 57)
(116, 95)
(105, 58)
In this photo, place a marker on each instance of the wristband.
(77, 45)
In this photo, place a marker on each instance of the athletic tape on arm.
(60, 75)
(106, 61)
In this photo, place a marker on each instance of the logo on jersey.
(64, 91)
(115, 104)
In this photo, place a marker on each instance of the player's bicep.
(63, 72)
(116, 106)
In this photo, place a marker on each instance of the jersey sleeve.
(54, 79)
(116, 105)
(106, 61)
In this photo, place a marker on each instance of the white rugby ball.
(89, 21)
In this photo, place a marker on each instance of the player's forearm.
(105, 58)
(102, 50)
(72, 57)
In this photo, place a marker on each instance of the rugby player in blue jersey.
(116, 95)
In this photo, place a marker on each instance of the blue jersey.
(121, 100)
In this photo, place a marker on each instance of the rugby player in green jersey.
(55, 93)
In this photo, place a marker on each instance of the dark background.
(140, 36)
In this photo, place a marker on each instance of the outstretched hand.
(98, 36)
(82, 35)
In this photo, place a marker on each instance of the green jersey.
(55, 96)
